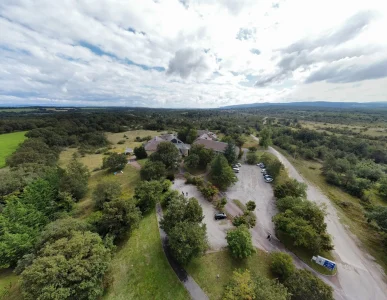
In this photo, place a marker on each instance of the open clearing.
(365, 130)
(131, 135)
(140, 269)
(205, 270)
(9, 143)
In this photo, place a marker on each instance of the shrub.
(250, 205)
(120, 142)
(281, 265)
(290, 188)
(140, 152)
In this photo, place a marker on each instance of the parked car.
(235, 166)
(267, 176)
(268, 179)
(263, 171)
(261, 165)
(235, 170)
(220, 216)
(239, 164)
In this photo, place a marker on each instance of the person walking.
(269, 237)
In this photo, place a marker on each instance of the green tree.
(241, 286)
(147, 194)
(221, 173)
(192, 161)
(239, 141)
(379, 215)
(250, 205)
(168, 154)
(105, 191)
(265, 137)
(62, 265)
(303, 285)
(290, 188)
(383, 186)
(191, 136)
(245, 286)
(115, 162)
(75, 179)
(281, 265)
(229, 153)
(239, 242)
(252, 158)
(187, 240)
(118, 217)
(205, 155)
(140, 152)
(181, 209)
(153, 170)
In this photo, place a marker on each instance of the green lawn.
(9, 286)
(140, 269)
(9, 143)
(205, 270)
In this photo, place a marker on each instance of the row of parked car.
(266, 176)
(236, 167)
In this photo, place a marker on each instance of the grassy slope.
(250, 142)
(9, 143)
(352, 215)
(140, 269)
(205, 270)
(9, 286)
(114, 138)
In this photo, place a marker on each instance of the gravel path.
(358, 274)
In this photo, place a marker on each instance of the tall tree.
(187, 240)
(147, 194)
(153, 170)
(115, 161)
(168, 154)
(229, 153)
(106, 191)
(221, 173)
(75, 179)
(239, 242)
(62, 265)
(140, 152)
(265, 137)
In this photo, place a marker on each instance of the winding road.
(358, 277)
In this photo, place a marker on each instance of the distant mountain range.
(317, 104)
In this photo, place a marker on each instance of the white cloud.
(191, 53)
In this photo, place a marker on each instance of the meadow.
(9, 143)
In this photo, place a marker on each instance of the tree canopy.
(168, 154)
(230, 154)
(140, 152)
(106, 191)
(239, 242)
(221, 173)
(153, 170)
(115, 161)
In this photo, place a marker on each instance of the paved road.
(359, 276)
(189, 283)
(216, 230)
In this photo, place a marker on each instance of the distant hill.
(317, 104)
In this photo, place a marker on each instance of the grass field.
(9, 286)
(18, 109)
(9, 143)
(250, 142)
(131, 135)
(370, 131)
(140, 269)
(205, 270)
(350, 210)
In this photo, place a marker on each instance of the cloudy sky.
(191, 53)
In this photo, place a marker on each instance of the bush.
(250, 205)
(209, 191)
(252, 158)
(239, 220)
(239, 242)
(303, 285)
(290, 188)
(120, 142)
(281, 265)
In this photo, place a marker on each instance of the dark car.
(220, 216)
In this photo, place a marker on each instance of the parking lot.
(251, 186)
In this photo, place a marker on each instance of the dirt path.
(359, 276)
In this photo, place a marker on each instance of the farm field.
(9, 143)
